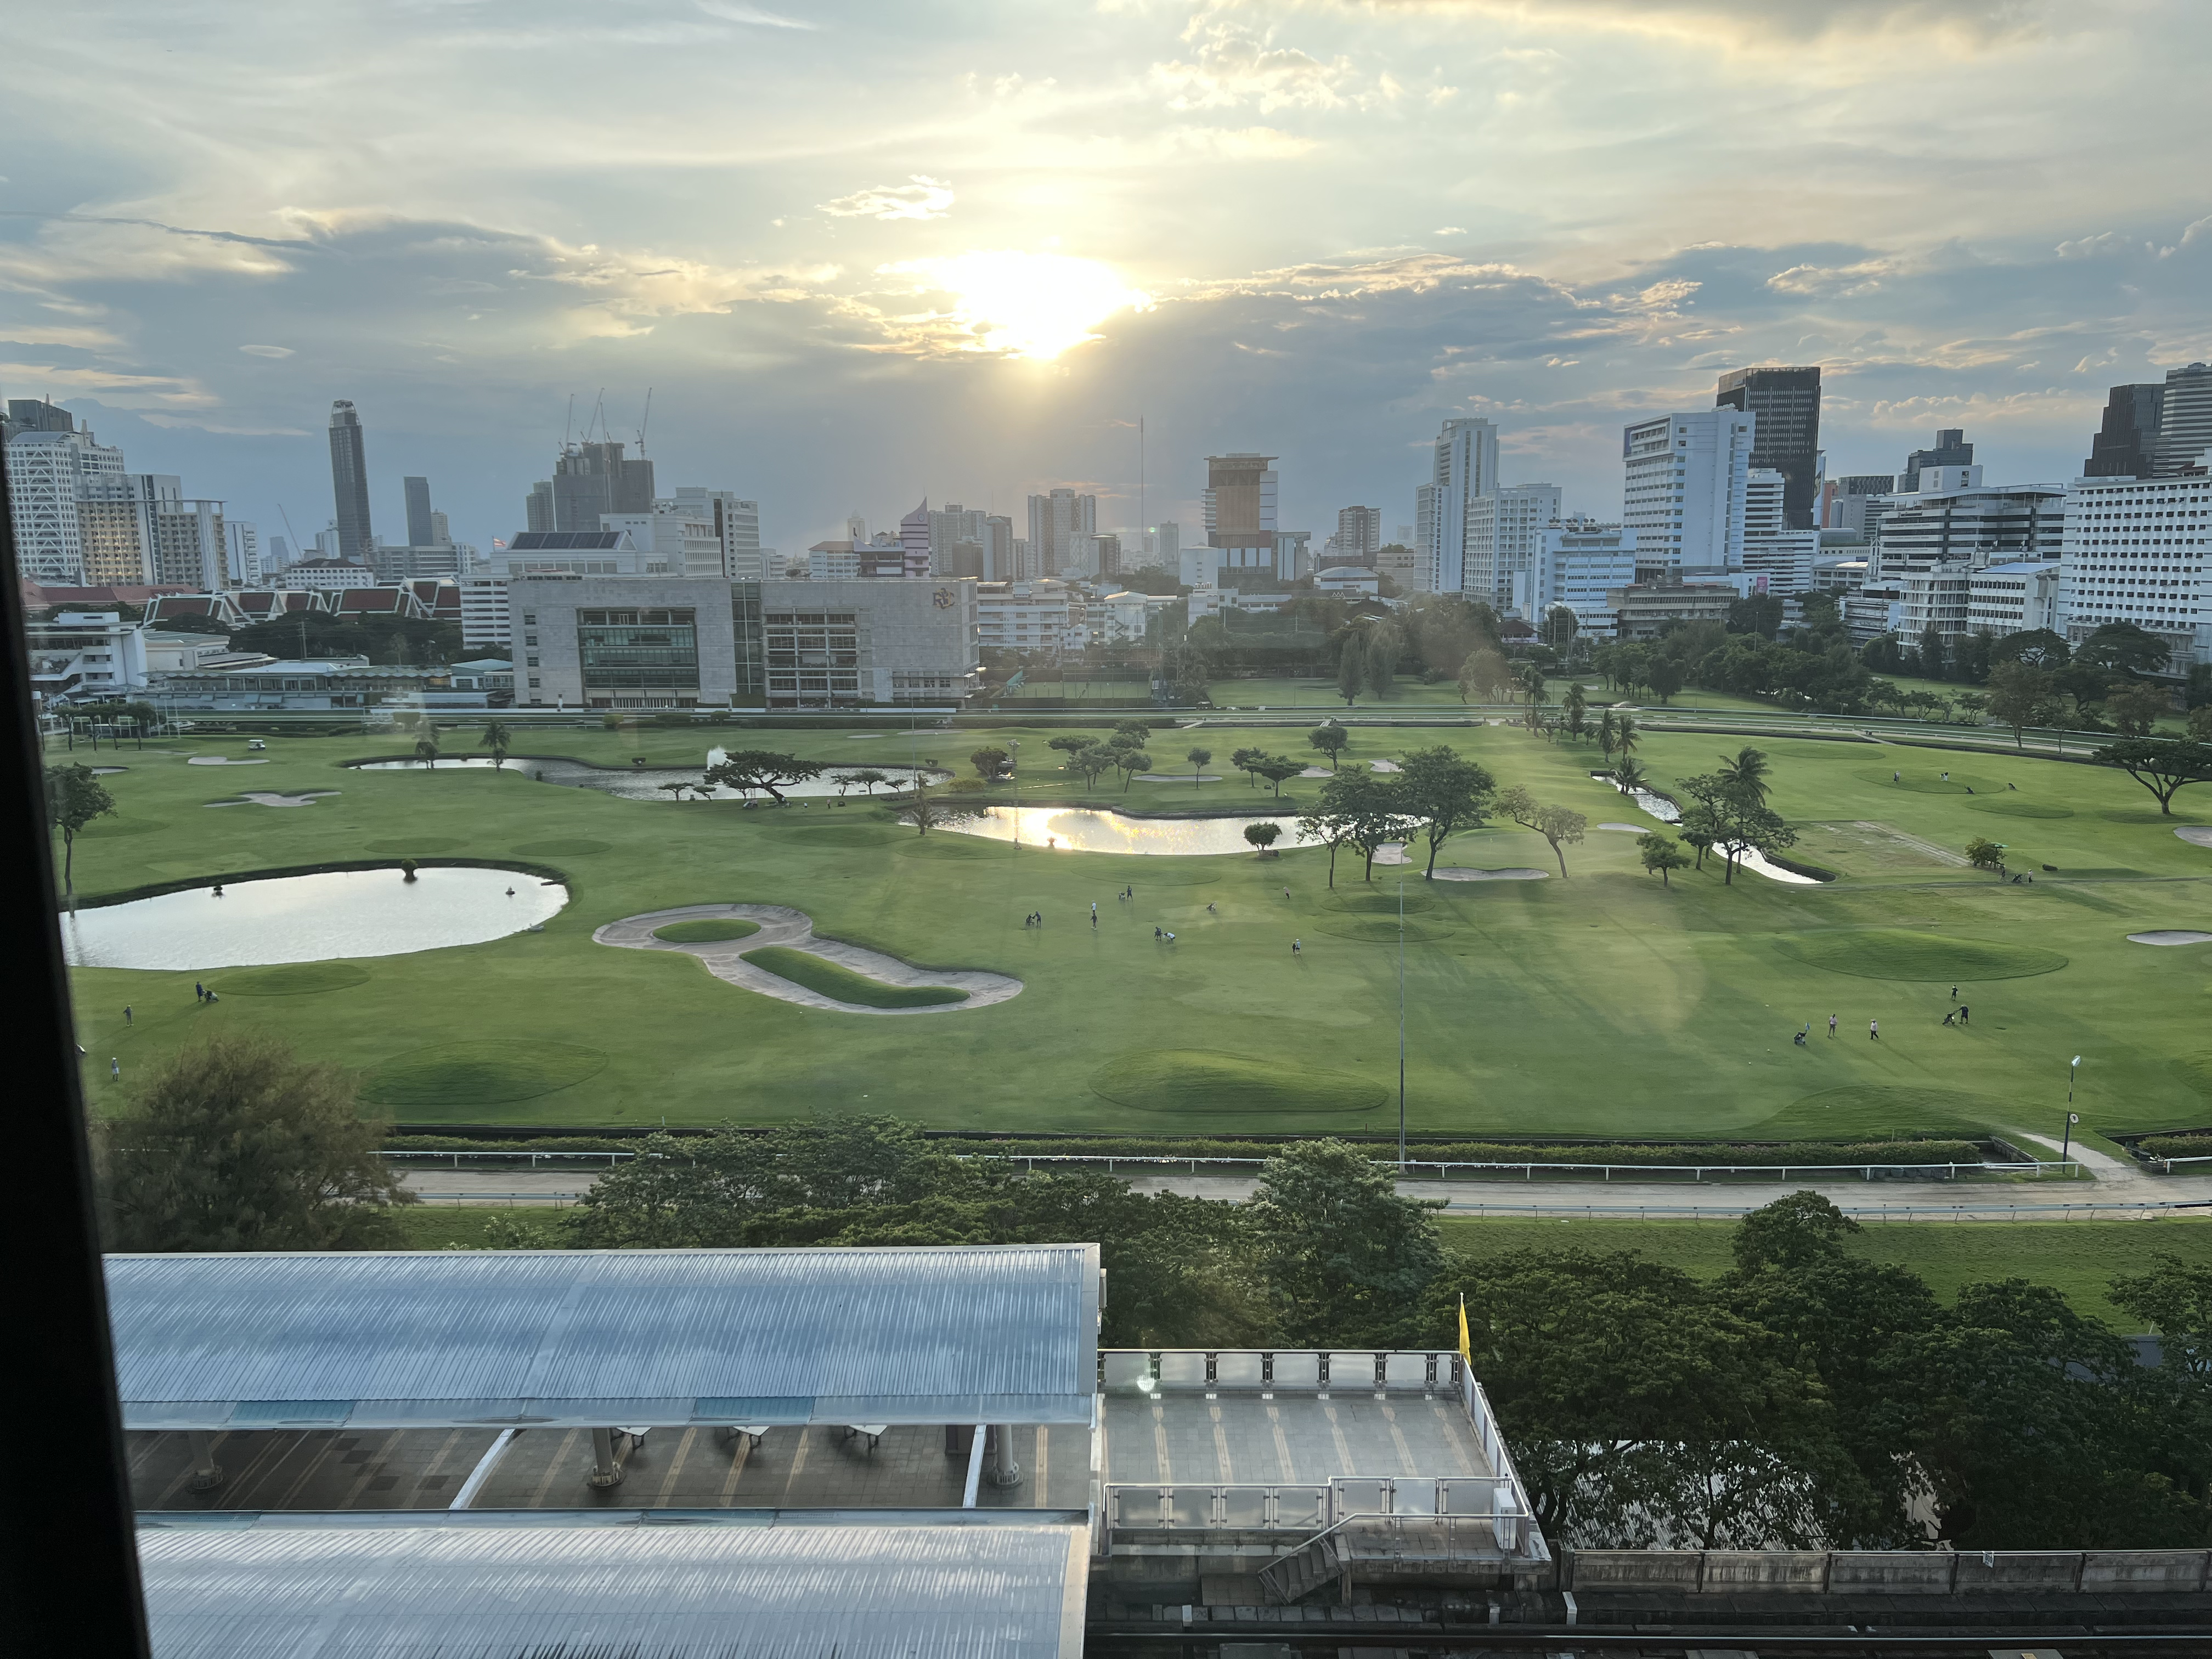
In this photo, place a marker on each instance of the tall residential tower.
(350, 483)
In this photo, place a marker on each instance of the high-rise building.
(54, 470)
(1465, 469)
(420, 531)
(1052, 518)
(538, 509)
(1844, 506)
(1578, 563)
(1786, 403)
(1358, 534)
(733, 520)
(1504, 532)
(350, 483)
(2123, 447)
(244, 541)
(1684, 496)
(1239, 502)
(2139, 551)
(913, 540)
(2184, 425)
(590, 480)
(1951, 449)
(1777, 559)
(1955, 519)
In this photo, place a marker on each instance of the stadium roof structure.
(348, 1587)
(980, 1334)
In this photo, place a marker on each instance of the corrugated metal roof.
(1003, 1334)
(1009, 1591)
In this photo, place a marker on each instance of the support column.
(605, 1472)
(1005, 1471)
(207, 1473)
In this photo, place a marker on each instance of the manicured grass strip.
(1206, 1082)
(833, 979)
(2012, 806)
(554, 850)
(1879, 1110)
(418, 844)
(1893, 953)
(2079, 1258)
(462, 1227)
(293, 979)
(705, 932)
(486, 1072)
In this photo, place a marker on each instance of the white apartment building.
(1776, 558)
(1871, 612)
(1684, 497)
(1358, 534)
(733, 522)
(484, 614)
(1057, 515)
(1465, 470)
(323, 575)
(1122, 618)
(244, 553)
(1045, 616)
(2139, 551)
(680, 541)
(1505, 532)
(1414, 570)
(1576, 563)
(1953, 516)
(2013, 597)
(1933, 595)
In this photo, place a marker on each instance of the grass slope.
(1205, 1083)
(1602, 1004)
(705, 932)
(834, 979)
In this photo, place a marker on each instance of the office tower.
(913, 540)
(350, 483)
(538, 510)
(1412, 570)
(1684, 493)
(2122, 446)
(1845, 508)
(244, 547)
(1052, 518)
(279, 556)
(1955, 519)
(1465, 469)
(420, 530)
(733, 522)
(1951, 449)
(2111, 570)
(1505, 531)
(1358, 534)
(442, 531)
(1239, 499)
(54, 470)
(1785, 404)
(1164, 547)
(1777, 558)
(34, 415)
(2185, 426)
(959, 540)
(592, 479)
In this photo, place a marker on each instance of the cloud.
(266, 350)
(1751, 22)
(1832, 281)
(733, 11)
(922, 197)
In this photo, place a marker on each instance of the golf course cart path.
(794, 929)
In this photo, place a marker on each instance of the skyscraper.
(2124, 445)
(350, 483)
(1052, 518)
(590, 479)
(1951, 449)
(1787, 402)
(1466, 468)
(1687, 478)
(2185, 426)
(421, 532)
(1504, 532)
(1358, 534)
(1239, 499)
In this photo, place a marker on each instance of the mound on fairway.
(1206, 1083)
(951, 847)
(554, 850)
(458, 1074)
(1383, 903)
(705, 932)
(1927, 782)
(1384, 930)
(419, 844)
(106, 827)
(2011, 806)
(1880, 1110)
(294, 979)
(850, 834)
(831, 979)
(1893, 953)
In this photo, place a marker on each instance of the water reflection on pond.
(347, 913)
(1076, 829)
(652, 782)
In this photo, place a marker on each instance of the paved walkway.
(780, 924)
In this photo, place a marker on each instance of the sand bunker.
(1174, 777)
(222, 760)
(2198, 834)
(781, 926)
(265, 798)
(2171, 936)
(1626, 828)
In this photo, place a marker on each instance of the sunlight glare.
(1026, 304)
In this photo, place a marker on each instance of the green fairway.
(1601, 1005)
(833, 979)
(2078, 1258)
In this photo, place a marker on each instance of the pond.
(650, 782)
(1069, 829)
(341, 913)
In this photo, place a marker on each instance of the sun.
(1014, 304)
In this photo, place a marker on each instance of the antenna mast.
(569, 426)
(645, 422)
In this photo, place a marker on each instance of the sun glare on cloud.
(1023, 305)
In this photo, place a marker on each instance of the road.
(2120, 1192)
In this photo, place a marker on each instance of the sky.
(864, 253)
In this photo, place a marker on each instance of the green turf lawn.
(834, 979)
(1604, 1004)
(2080, 1258)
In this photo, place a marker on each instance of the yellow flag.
(1466, 1348)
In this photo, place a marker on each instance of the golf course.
(1601, 1003)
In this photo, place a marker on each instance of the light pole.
(2066, 1141)
(1401, 1026)
(2070, 1070)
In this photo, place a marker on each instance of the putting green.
(490, 1072)
(419, 844)
(1893, 953)
(1924, 781)
(705, 932)
(554, 850)
(2011, 806)
(293, 979)
(1207, 1083)
(835, 979)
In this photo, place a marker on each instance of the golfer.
(1874, 1029)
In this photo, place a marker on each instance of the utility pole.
(1401, 1026)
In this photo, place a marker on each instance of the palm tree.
(1628, 777)
(1608, 734)
(1576, 707)
(1746, 773)
(496, 737)
(1624, 735)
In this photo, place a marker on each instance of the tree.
(868, 777)
(928, 808)
(1608, 734)
(1089, 763)
(1071, 743)
(1575, 707)
(1262, 836)
(989, 761)
(2135, 710)
(1279, 769)
(748, 769)
(1350, 668)
(1728, 816)
(1562, 826)
(1985, 855)
(2200, 724)
(2038, 647)
(1129, 761)
(1560, 626)
(1484, 674)
(2021, 694)
(1383, 644)
(1659, 855)
(1330, 739)
(1931, 653)
(1629, 776)
(2123, 648)
(75, 796)
(1133, 731)
(426, 747)
(1197, 758)
(1758, 613)
(1445, 792)
(1357, 809)
(498, 738)
(2163, 766)
(1626, 736)
(1746, 773)
(1345, 1259)
(234, 1144)
(1245, 760)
